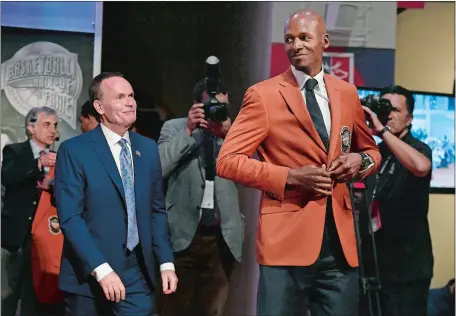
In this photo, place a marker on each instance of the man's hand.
(113, 287)
(346, 167)
(48, 159)
(45, 184)
(219, 129)
(374, 123)
(195, 118)
(311, 178)
(169, 281)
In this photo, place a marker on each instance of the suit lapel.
(293, 97)
(138, 162)
(336, 108)
(101, 147)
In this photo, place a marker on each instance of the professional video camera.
(213, 109)
(381, 107)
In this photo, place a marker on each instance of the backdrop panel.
(44, 68)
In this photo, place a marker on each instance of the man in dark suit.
(110, 202)
(24, 166)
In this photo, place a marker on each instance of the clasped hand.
(319, 180)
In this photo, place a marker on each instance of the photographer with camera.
(206, 226)
(401, 193)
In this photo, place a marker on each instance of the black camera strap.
(209, 158)
(209, 214)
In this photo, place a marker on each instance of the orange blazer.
(47, 245)
(274, 121)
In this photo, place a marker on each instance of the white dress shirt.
(36, 153)
(113, 141)
(320, 94)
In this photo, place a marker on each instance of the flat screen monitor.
(433, 123)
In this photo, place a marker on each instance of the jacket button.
(30, 218)
(197, 208)
(126, 221)
(34, 202)
(203, 186)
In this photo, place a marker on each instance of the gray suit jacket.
(182, 160)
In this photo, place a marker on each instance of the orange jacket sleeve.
(235, 160)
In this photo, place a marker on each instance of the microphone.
(57, 138)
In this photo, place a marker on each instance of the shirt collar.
(301, 78)
(36, 149)
(112, 137)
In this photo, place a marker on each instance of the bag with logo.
(47, 245)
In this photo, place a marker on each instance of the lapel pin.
(138, 153)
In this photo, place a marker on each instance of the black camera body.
(381, 107)
(213, 109)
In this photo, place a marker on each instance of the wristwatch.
(385, 129)
(366, 161)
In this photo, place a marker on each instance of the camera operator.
(207, 228)
(401, 193)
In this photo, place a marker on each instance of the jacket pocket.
(169, 206)
(269, 206)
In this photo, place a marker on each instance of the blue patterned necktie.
(129, 188)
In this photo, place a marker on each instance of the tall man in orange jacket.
(311, 136)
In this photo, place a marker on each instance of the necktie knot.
(123, 142)
(310, 84)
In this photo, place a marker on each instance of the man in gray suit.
(206, 226)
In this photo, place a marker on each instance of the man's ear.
(30, 129)
(98, 107)
(325, 41)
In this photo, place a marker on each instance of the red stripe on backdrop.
(410, 4)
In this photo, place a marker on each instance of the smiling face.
(117, 105)
(305, 40)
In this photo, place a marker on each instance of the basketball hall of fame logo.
(43, 74)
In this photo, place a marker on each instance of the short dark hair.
(88, 109)
(200, 87)
(395, 89)
(94, 89)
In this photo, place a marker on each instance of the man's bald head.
(305, 40)
(307, 15)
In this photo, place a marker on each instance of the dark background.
(161, 47)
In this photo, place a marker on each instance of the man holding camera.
(206, 225)
(401, 193)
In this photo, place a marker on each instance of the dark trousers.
(204, 270)
(405, 299)
(17, 285)
(329, 287)
(139, 298)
